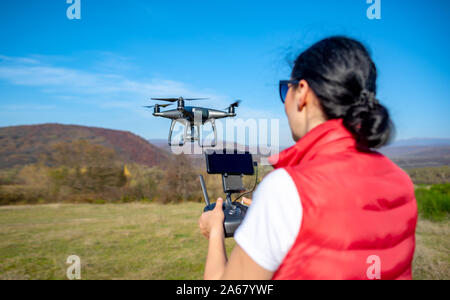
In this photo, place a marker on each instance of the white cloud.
(26, 107)
(101, 88)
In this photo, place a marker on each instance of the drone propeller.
(176, 99)
(194, 99)
(159, 105)
(235, 104)
(165, 99)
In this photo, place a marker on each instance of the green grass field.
(141, 241)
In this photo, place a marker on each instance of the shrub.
(432, 175)
(142, 183)
(21, 195)
(434, 202)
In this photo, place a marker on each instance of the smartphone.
(229, 163)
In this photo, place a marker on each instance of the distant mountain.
(421, 142)
(161, 143)
(412, 153)
(416, 153)
(20, 145)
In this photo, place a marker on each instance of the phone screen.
(233, 163)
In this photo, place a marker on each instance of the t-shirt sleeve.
(273, 220)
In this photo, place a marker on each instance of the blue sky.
(100, 70)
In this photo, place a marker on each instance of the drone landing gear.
(191, 137)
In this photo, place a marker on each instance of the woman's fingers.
(246, 201)
(212, 220)
(219, 204)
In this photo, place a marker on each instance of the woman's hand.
(246, 201)
(211, 222)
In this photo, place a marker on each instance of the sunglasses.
(284, 88)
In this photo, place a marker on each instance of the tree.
(180, 181)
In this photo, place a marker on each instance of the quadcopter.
(191, 117)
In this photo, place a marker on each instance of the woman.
(332, 208)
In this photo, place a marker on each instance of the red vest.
(356, 205)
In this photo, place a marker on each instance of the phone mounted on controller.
(232, 166)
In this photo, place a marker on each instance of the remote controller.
(234, 211)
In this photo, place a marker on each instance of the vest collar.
(329, 137)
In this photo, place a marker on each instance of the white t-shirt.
(273, 221)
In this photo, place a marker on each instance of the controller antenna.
(205, 192)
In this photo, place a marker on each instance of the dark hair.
(343, 76)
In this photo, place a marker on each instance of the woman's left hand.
(212, 221)
(246, 201)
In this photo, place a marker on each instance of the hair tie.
(367, 98)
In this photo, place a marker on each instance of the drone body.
(191, 117)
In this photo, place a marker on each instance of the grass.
(141, 241)
(432, 256)
(127, 241)
(434, 201)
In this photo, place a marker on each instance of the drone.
(191, 117)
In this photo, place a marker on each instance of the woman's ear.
(301, 93)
